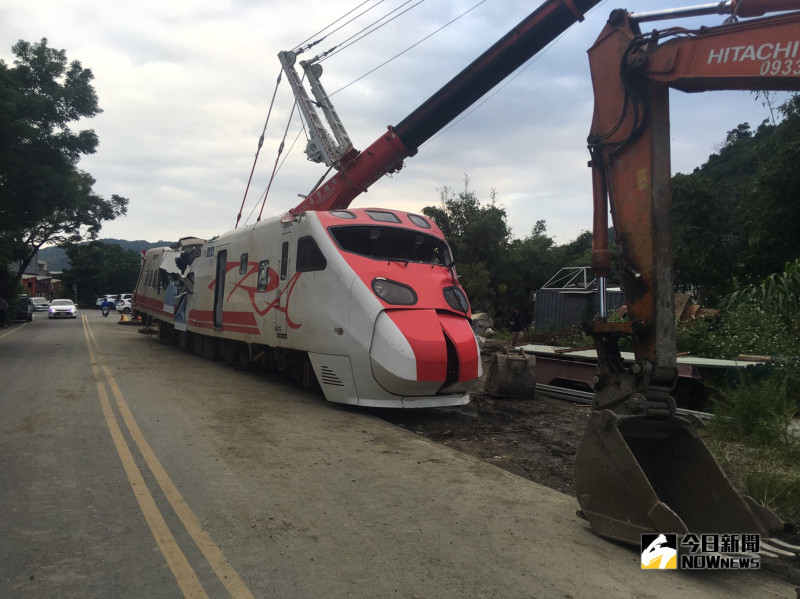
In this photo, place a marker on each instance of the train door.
(219, 287)
(283, 291)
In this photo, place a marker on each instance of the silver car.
(40, 304)
(62, 308)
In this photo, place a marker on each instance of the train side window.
(243, 264)
(284, 260)
(309, 256)
(263, 275)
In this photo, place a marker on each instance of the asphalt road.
(132, 469)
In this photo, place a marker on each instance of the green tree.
(100, 268)
(774, 209)
(575, 253)
(478, 235)
(499, 273)
(530, 264)
(705, 247)
(44, 197)
(736, 218)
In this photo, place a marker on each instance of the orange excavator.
(640, 467)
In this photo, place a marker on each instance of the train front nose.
(424, 352)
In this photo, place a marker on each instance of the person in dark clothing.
(516, 327)
(3, 310)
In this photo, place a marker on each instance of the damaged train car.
(364, 301)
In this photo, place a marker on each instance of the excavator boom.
(640, 468)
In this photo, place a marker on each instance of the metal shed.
(570, 296)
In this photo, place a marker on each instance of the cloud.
(185, 88)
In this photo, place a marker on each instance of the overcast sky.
(185, 87)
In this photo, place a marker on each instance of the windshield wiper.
(403, 260)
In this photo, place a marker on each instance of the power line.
(370, 29)
(414, 45)
(353, 39)
(299, 48)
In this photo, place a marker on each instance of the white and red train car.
(367, 298)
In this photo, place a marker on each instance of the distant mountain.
(57, 260)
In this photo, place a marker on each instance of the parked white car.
(124, 305)
(111, 297)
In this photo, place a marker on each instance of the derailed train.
(367, 298)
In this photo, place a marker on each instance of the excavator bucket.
(636, 475)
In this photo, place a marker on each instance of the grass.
(770, 475)
(751, 439)
(749, 436)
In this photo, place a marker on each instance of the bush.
(559, 335)
(744, 329)
(757, 411)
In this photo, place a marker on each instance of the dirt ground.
(533, 438)
(536, 439)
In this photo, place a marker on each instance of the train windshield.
(392, 243)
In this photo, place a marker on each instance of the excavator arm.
(640, 468)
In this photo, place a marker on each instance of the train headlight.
(456, 299)
(393, 292)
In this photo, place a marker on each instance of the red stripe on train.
(239, 318)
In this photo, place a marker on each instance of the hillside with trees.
(58, 260)
(737, 217)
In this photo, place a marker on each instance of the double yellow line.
(185, 575)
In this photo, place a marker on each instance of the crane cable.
(414, 45)
(275, 166)
(301, 48)
(258, 150)
(272, 103)
(369, 29)
(263, 194)
(366, 31)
